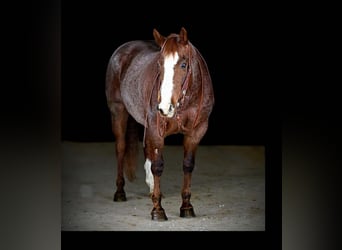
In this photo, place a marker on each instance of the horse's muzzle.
(168, 111)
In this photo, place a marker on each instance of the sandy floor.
(228, 190)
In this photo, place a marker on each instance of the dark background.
(240, 52)
(241, 49)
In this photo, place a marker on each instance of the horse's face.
(174, 66)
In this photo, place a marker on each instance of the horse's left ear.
(183, 36)
(158, 38)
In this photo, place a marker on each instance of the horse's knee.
(157, 167)
(188, 165)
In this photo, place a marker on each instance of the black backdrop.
(242, 48)
(241, 52)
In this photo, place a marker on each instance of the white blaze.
(149, 176)
(167, 84)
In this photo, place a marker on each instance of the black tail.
(131, 150)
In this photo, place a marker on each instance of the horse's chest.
(168, 126)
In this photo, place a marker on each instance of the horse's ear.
(183, 36)
(158, 38)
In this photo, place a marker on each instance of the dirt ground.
(228, 190)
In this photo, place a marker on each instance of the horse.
(165, 86)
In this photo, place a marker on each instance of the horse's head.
(174, 66)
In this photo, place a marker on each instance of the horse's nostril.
(171, 108)
(160, 110)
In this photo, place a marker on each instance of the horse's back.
(129, 53)
(127, 77)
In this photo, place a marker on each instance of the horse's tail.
(131, 150)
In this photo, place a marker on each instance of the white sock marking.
(149, 176)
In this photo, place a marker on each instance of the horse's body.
(165, 86)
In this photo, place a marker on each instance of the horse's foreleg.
(119, 124)
(186, 210)
(157, 167)
(155, 164)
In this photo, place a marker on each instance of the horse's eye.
(183, 65)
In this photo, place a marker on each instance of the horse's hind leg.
(119, 126)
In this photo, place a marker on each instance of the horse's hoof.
(187, 212)
(120, 196)
(158, 215)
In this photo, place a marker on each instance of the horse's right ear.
(158, 38)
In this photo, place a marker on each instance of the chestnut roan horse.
(165, 86)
